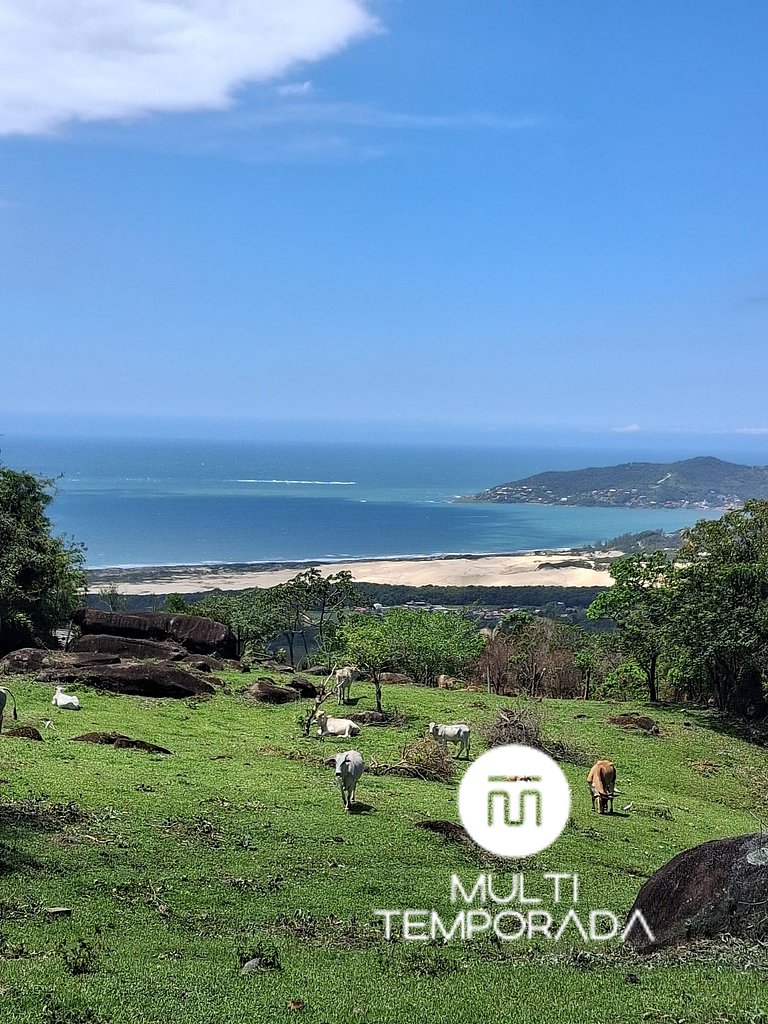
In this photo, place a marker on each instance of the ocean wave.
(327, 483)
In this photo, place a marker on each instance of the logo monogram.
(514, 801)
(501, 800)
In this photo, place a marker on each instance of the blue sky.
(500, 216)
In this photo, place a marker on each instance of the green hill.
(703, 482)
(177, 868)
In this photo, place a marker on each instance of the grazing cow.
(344, 678)
(4, 695)
(602, 785)
(458, 734)
(349, 767)
(64, 701)
(445, 682)
(336, 726)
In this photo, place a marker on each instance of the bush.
(625, 682)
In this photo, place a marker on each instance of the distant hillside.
(694, 483)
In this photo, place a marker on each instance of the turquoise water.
(157, 502)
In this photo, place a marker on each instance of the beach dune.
(516, 570)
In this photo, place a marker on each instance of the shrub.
(625, 682)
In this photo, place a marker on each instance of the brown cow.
(602, 784)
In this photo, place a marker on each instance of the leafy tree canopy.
(42, 577)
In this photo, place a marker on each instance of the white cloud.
(633, 428)
(103, 59)
(752, 430)
(294, 89)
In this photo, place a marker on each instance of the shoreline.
(513, 569)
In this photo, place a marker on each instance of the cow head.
(341, 761)
(432, 728)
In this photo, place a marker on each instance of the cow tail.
(15, 712)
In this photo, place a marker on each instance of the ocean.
(148, 502)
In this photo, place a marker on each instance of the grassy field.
(178, 869)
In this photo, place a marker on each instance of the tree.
(42, 578)
(368, 641)
(112, 598)
(719, 604)
(426, 644)
(310, 607)
(331, 595)
(251, 616)
(639, 604)
(179, 605)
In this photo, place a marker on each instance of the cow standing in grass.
(602, 785)
(349, 767)
(4, 695)
(458, 734)
(344, 678)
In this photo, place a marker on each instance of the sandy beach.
(517, 570)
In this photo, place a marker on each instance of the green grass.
(178, 868)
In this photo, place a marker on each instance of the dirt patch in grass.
(447, 830)
(635, 722)
(40, 814)
(394, 719)
(303, 756)
(115, 739)
(24, 732)
(325, 931)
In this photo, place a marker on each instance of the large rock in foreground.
(125, 647)
(141, 679)
(718, 888)
(194, 632)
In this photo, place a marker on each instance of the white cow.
(458, 734)
(64, 701)
(344, 678)
(336, 726)
(349, 767)
(4, 695)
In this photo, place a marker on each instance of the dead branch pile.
(525, 725)
(424, 759)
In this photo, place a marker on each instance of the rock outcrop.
(140, 679)
(126, 647)
(29, 660)
(718, 888)
(266, 692)
(197, 634)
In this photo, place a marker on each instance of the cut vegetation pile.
(423, 759)
(525, 726)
